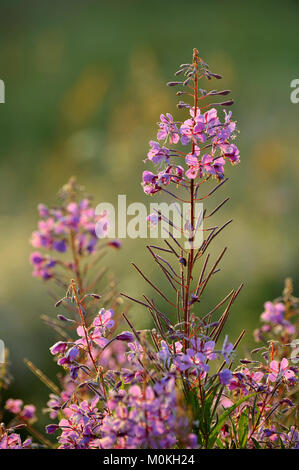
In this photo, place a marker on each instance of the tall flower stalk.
(210, 147)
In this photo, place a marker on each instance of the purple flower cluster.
(211, 148)
(93, 336)
(25, 413)
(67, 228)
(12, 440)
(194, 360)
(275, 323)
(135, 418)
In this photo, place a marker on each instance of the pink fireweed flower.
(193, 163)
(291, 439)
(252, 376)
(53, 235)
(207, 165)
(135, 352)
(227, 349)
(168, 128)
(102, 322)
(95, 335)
(13, 441)
(14, 406)
(114, 356)
(192, 130)
(149, 181)
(104, 319)
(205, 347)
(280, 370)
(231, 152)
(274, 313)
(238, 382)
(59, 348)
(191, 360)
(211, 121)
(225, 376)
(158, 154)
(208, 350)
(28, 413)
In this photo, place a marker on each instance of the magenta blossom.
(14, 406)
(168, 128)
(158, 154)
(280, 370)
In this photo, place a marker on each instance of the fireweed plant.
(177, 385)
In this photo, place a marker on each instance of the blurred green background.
(85, 85)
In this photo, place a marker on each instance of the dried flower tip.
(215, 75)
(256, 350)
(52, 428)
(173, 83)
(202, 91)
(224, 103)
(63, 318)
(227, 103)
(224, 92)
(115, 243)
(185, 83)
(182, 104)
(125, 336)
(178, 72)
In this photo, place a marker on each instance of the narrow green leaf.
(223, 418)
(243, 429)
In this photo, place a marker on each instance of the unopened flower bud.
(125, 336)
(59, 347)
(227, 103)
(173, 83)
(52, 428)
(216, 75)
(63, 318)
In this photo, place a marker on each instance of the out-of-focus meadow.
(85, 85)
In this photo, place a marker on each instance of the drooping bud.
(227, 103)
(178, 72)
(224, 92)
(182, 104)
(95, 296)
(63, 318)
(59, 347)
(216, 75)
(52, 428)
(125, 336)
(173, 83)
